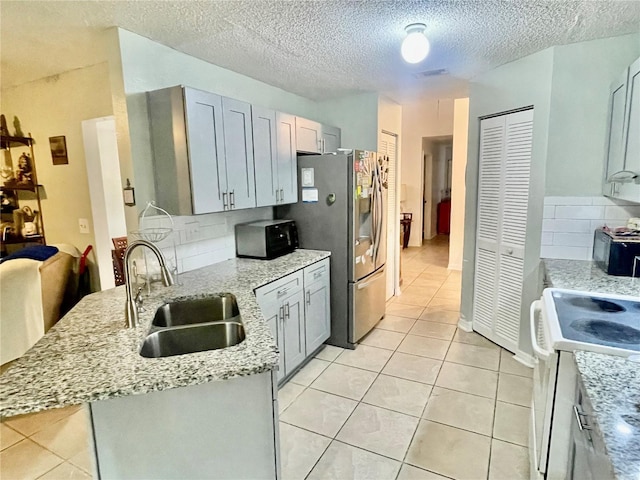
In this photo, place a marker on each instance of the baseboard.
(465, 325)
(525, 359)
(455, 266)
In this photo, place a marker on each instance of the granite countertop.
(89, 355)
(613, 387)
(588, 277)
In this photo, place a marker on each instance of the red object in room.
(444, 217)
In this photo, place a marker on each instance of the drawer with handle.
(316, 272)
(280, 288)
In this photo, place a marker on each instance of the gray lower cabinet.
(297, 310)
(203, 151)
(274, 142)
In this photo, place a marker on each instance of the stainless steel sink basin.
(192, 338)
(200, 310)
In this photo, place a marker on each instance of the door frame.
(394, 218)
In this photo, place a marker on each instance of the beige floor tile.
(409, 472)
(515, 389)
(383, 339)
(26, 460)
(344, 381)
(463, 378)
(427, 282)
(398, 394)
(8, 436)
(409, 311)
(509, 365)
(512, 423)
(66, 437)
(448, 294)
(310, 372)
(445, 304)
(413, 299)
(66, 471)
(33, 422)
(434, 330)
(341, 462)
(449, 451)
(319, 412)
(412, 367)
(481, 357)
(508, 462)
(473, 338)
(84, 460)
(329, 353)
(287, 394)
(440, 316)
(461, 410)
(300, 450)
(379, 430)
(420, 291)
(424, 346)
(366, 357)
(396, 323)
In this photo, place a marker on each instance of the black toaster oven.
(617, 254)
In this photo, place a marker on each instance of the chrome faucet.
(131, 310)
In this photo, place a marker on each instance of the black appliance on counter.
(617, 254)
(266, 239)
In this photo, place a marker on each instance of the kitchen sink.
(192, 338)
(221, 307)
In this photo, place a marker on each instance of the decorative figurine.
(24, 173)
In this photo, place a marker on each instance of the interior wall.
(458, 190)
(582, 74)
(356, 116)
(429, 118)
(55, 106)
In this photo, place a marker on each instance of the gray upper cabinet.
(622, 173)
(330, 139)
(308, 136)
(238, 144)
(188, 145)
(287, 162)
(265, 155)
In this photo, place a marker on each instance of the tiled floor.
(418, 399)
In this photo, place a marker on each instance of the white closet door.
(388, 149)
(503, 200)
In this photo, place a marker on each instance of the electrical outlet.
(83, 224)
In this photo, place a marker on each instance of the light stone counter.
(89, 355)
(613, 387)
(587, 277)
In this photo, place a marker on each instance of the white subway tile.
(597, 224)
(621, 213)
(549, 211)
(547, 238)
(573, 239)
(579, 212)
(602, 201)
(566, 226)
(568, 200)
(567, 253)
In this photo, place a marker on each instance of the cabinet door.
(330, 139)
(293, 331)
(631, 191)
(308, 135)
(271, 312)
(206, 147)
(238, 142)
(265, 155)
(317, 314)
(287, 161)
(615, 153)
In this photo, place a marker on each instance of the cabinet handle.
(308, 297)
(281, 195)
(224, 200)
(286, 311)
(277, 196)
(232, 199)
(582, 426)
(282, 292)
(281, 313)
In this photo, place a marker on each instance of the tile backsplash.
(569, 222)
(202, 240)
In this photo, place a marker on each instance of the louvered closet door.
(503, 198)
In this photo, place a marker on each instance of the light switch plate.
(83, 224)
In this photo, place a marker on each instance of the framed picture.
(59, 150)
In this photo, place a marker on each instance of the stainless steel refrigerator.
(341, 208)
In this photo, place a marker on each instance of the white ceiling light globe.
(415, 47)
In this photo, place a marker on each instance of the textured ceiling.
(318, 49)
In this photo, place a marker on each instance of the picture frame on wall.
(58, 147)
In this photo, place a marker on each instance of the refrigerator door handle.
(372, 279)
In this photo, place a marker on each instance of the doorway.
(437, 154)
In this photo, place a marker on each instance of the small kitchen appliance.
(266, 239)
(617, 253)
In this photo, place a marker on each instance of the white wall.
(582, 74)
(55, 106)
(356, 116)
(458, 190)
(424, 119)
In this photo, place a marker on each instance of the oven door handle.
(541, 353)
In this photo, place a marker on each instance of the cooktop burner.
(596, 304)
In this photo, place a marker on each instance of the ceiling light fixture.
(415, 47)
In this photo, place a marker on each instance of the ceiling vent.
(431, 73)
